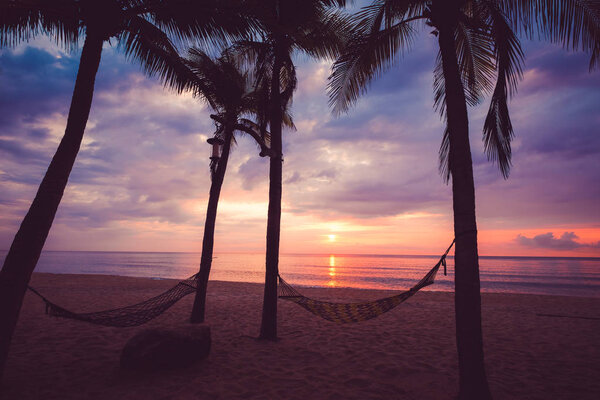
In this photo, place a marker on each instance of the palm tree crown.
(489, 53)
(145, 30)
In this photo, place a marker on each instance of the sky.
(366, 182)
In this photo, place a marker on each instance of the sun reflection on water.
(332, 272)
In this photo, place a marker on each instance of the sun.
(331, 237)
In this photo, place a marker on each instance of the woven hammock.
(133, 315)
(357, 312)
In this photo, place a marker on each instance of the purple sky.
(365, 182)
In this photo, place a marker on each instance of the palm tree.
(229, 91)
(312, 27)
(477, 45)
(140, 28)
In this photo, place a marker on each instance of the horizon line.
(316, 254)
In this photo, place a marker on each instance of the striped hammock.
(356, 312)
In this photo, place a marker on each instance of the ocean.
(534, 275)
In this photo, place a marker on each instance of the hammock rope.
(357, 312)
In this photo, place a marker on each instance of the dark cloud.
(370, 199)
(327, 173)
(555, 67)
(101, 215)
(564, 122)
(34, 83)
(547, 241)
(294, 178)
(19, 151)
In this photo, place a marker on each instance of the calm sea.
(535, 275)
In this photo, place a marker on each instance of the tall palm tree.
(477, 45)
(230, 92)
(141, 29)
(312, 27)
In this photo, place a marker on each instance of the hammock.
(356, 312)
(140, 313)
(133, 315)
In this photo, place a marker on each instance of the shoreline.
(409, 352)
(385, 292)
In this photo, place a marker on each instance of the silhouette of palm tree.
(141, 29)
(477, 46)
(230, 92)
(312, 27)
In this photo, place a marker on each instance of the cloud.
(294, 178)
(547, 241)
(138, 159)
(143, 164)
(253, 172)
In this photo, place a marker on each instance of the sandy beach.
(408, 353)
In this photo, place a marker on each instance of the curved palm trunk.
(472, 378)
(31, 236)
(209, 232)
(268, 326)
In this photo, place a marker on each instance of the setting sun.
(331, 237)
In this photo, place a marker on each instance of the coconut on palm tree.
(312, 27)
(479, 53)
(229, 90)
(141, 28)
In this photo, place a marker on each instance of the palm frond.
(444, 156)
(288, 120)
(382, 30)
(256, 56)
(21, 21)
(498, 130)
(147, 44)
(288, 81)
(259, 58)
(210, 22)
(326, 35)
(366, 56)
(203, 81)
(475, 54)
(573, 23)
(228, 86)
(381, 14)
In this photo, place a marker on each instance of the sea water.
(535, 275)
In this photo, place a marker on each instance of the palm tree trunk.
(209, 232)
(472, 377)
(268, 326)
(31, 236)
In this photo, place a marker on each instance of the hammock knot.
(444, 264)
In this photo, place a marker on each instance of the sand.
(408, 353)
